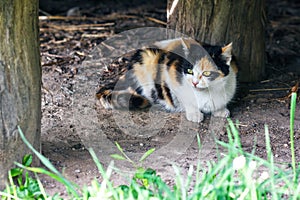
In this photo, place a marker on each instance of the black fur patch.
(161, 58)
(137, 57)
(138, 102)
(166, 88)
(139, 90)
(154, 95)
(157, 83)
(178, 54)
(159, 91)
(181, 64)
(222, 65)
(216, 54)
(186, 65)
(154, 50)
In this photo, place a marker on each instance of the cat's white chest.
(209, 99)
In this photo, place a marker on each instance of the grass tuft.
(292, 119)
(236, 175)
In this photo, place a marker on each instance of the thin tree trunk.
(223, 21)
(20, 80)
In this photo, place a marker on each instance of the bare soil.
(73, 121)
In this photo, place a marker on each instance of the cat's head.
(210, 69)
(203, 65)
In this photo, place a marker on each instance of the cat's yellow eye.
(190, 71)
(206, 73)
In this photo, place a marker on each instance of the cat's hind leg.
(123, 100)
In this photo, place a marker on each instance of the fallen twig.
(101, 35)
(113, 16)
(268, 89)
(156, 20)
(104, 26)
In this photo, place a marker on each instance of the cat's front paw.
(194, 116)
(221, 113)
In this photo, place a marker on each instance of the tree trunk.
(20, 81)
(219, 22)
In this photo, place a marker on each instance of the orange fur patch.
(173, 73)
(140, 72)
(104, 93)
(150, 60)
(173, 45)
(206, 65)
(227, 48)
(234, 66)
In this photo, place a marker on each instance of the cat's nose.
(195, 83)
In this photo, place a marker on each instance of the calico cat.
(180, 75)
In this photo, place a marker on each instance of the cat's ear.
(227, 53)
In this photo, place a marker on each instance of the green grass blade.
(8, 196)
(292, 119)
(27, 160)
(180, 191)
(124, 154)
(41, 171)
(104, 174)
(13, 186)
(199, 142)
(148, 153)
(297, 193)
(234, 131)
(49, 165)
(117, 157)
(119, 147)
(271, 161)
(189, 177)
(41, 187)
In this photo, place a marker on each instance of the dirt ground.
(73, 121)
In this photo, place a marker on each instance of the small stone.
(238, 162)
(261, 100)
(77, 171)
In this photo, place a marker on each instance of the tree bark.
(219, 22)
(20, 81)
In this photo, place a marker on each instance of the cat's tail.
(122, 99)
